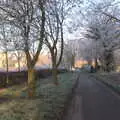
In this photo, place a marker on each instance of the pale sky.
(77, 20)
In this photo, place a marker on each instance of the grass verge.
(48, 105)
(110, 80)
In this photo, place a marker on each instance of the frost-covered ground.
(48, 105)
(110, 79)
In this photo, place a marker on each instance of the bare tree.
(105, 34)
(54, 34)
(17, 45)
(68, 58)
(6, 46)
(18, 55)
(29, 17)
(56, 14)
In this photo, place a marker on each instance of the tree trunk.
(31, 83)
(18, 64)
(73, 61)
(7, 67)
(54, 74)
(109, 61)
(96, 64)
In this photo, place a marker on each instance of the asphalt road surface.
(93, 101)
